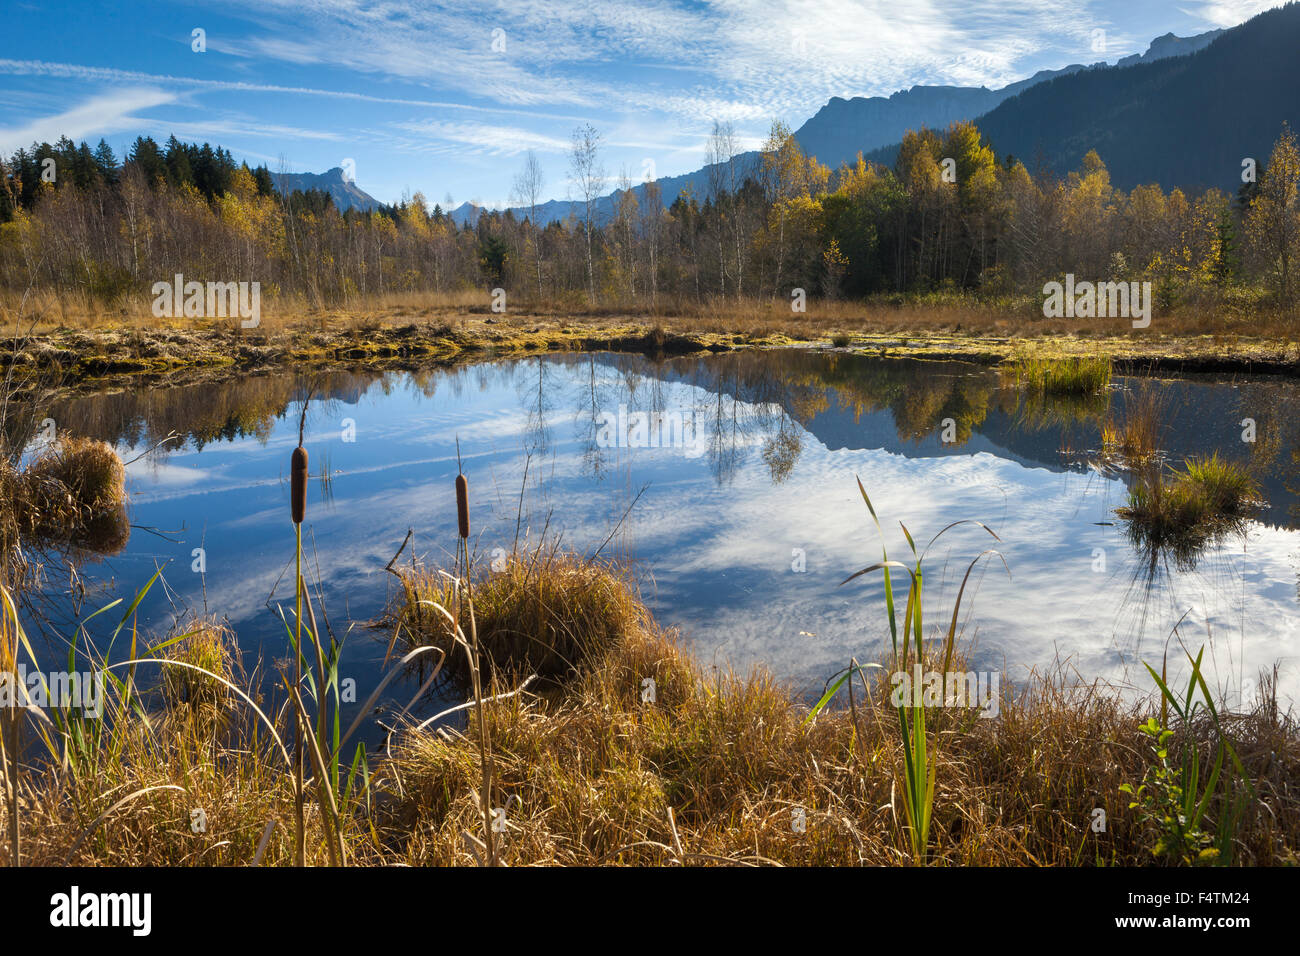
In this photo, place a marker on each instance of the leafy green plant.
(918, 756)
(1172, 801)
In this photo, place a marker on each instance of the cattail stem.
(300, 836)
(298, 511)
(476, 675)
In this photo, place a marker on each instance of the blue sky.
(445, 98)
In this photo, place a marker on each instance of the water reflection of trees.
(920, 396)
(200, 414)
(766, 399)
(744, 403)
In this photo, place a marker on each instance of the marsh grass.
(545, 613)
(1133, 438)
(201, 692)
(1071, 375)
(1180, 512)
(70, 493)
(711, 772)
(919, 756)
(708, 773)
(1225, 487)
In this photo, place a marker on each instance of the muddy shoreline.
(70, 361)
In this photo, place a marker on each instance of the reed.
(1134, 438)
(1071, 375)
(919, 764)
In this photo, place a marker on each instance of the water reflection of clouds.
(712, 537)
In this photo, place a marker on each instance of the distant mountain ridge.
(342, 189)
(842, 128)
(875, 125)
(1185, 121)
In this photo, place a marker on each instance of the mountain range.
(1184, 113)
(874, 125)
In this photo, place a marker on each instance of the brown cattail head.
(462, 505)
(298, 484)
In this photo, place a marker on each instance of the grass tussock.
(88, 471)
(1180, 511)
(71, 493)
(200, 691)
(545, 613)
(1133, 438)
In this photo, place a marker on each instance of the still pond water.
(739, 531)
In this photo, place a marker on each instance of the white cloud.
(213, 129)
(94, 74)
(497, 140)
(738, 59)
(1229, 13)
(98, 116)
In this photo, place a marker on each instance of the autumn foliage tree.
(948, 217)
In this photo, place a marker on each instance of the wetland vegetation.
(595, 730)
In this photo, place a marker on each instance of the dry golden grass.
(1133, 438)
(87, 471)
(591, 777)
(1230, 320)
(712, 770)
(545, 613)
(72, 493)
(191, 694)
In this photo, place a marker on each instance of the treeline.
(949, 215)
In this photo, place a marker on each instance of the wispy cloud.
(96, 116)
(480, 137)
(1229, 13)
(210, 129)
(97, 74)
(738, 58)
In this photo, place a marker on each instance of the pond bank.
(68, 359)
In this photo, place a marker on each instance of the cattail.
(298, 484)
(462, 505)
